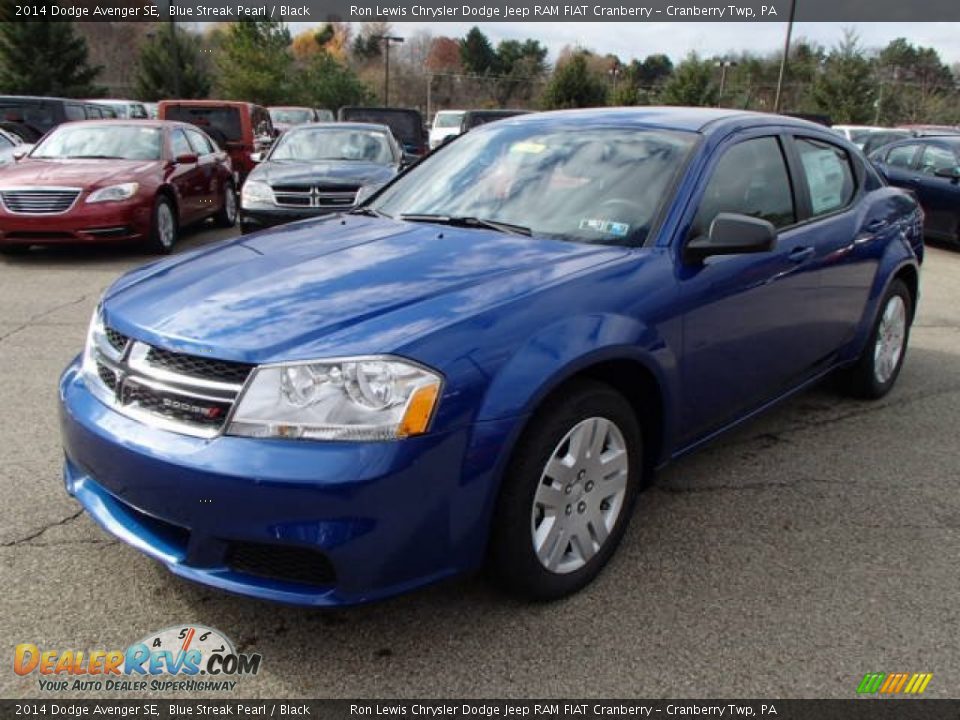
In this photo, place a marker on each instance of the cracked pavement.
(817, 543)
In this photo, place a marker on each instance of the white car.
(857, 134)
(445, 124)
(125, 109)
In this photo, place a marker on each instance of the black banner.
(399, 11)
(854, 709)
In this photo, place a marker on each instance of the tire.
(536, 504)
(163, 236)
(226, 217)
(877, 369)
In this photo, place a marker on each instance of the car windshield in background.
(122, 142)
(596, 185)
(222, 119)
(291, 116)
(405, 125)
(448, 120)
(35, 114)
(309, 144)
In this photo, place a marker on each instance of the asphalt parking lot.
(816, 544)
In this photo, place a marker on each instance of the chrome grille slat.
(315, 196)
(175, 391)
(39, 200)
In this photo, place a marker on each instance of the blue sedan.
(930, 167)
(484, 363)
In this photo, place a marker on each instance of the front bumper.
(127, 221)
(253, 219)
(387, 516)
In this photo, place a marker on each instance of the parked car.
(12, 148)
(115, 181)
(31, 117)
(858, 134)
(240, 128)
(476, 118)
(286, 116)
(317, 169)
(877, 140)
(486, 361)
(406, 125)
(152, 110)
(927, 130)
(930, 168)
(324, 115)
(446, 124)
(124, 109)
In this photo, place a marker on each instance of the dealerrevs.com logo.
(190, 658)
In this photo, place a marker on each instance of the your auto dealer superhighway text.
(612, 709)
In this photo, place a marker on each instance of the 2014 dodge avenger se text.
(484, 362)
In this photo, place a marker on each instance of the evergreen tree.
(846, 89)
(574, 86)
(692, 83)
(477, 54)
(168, 51)
(45, 58)
(255, 63)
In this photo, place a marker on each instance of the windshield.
(448, 120)
(596, 185)
(124, 142)
(36, 114)
(291, 116)
(309, 144)
(407, 125)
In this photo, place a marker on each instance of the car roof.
(208, 103)
(702, 120)
(140, 123)
(342, 126)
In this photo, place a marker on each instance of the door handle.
(799, 254)
(875, 226)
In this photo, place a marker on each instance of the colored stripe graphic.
(894, 683)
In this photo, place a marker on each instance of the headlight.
(255, 192)
(375, 398)
(124, 191)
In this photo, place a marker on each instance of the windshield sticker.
(530, 148)
(607, 227)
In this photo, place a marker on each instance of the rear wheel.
(568, 493)
(877, 370)
(163, 226)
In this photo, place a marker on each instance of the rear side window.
(200, 142)
(37, 114)
(93, 112)
(901, 156)
(74, 112)
(936, 158)
(829, 175)
(750, 179)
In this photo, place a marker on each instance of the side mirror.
(732, 234)
(186, 159)
(256, 157)
(21, 152)
(949, 173)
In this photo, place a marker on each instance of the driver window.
(936, 158)
(750, 179)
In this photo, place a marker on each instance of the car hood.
(284, 293)
(74, 173)
(322, 173)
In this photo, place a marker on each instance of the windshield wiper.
(94, 157)
(464, 221)
(368, 211)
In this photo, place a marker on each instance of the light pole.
(387, 39)
(615, 73)
(723, 65)
(786, 52)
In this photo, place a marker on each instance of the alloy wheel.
(891, 335)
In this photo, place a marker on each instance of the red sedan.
(117, 181)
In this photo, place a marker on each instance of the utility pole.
(174, 50)
(387, 39)
(723, 65)
(786, 53)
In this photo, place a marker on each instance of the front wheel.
(163, 227)
(568, 493)
(878, 367)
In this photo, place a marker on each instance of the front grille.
(184, 393)
(199, 367)
(117, 340)
(39, 201)
(281, 562)
(328, 197)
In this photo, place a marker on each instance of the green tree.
(45, 58)
(325, 82)
(166, 53)
(914, 85)
(477, 54)
(574, 86)
(254, 63)
(692, 83)
(846, 89)
(519, 65)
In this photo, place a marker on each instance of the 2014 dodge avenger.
(485, 361)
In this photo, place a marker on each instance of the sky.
(629, 40)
